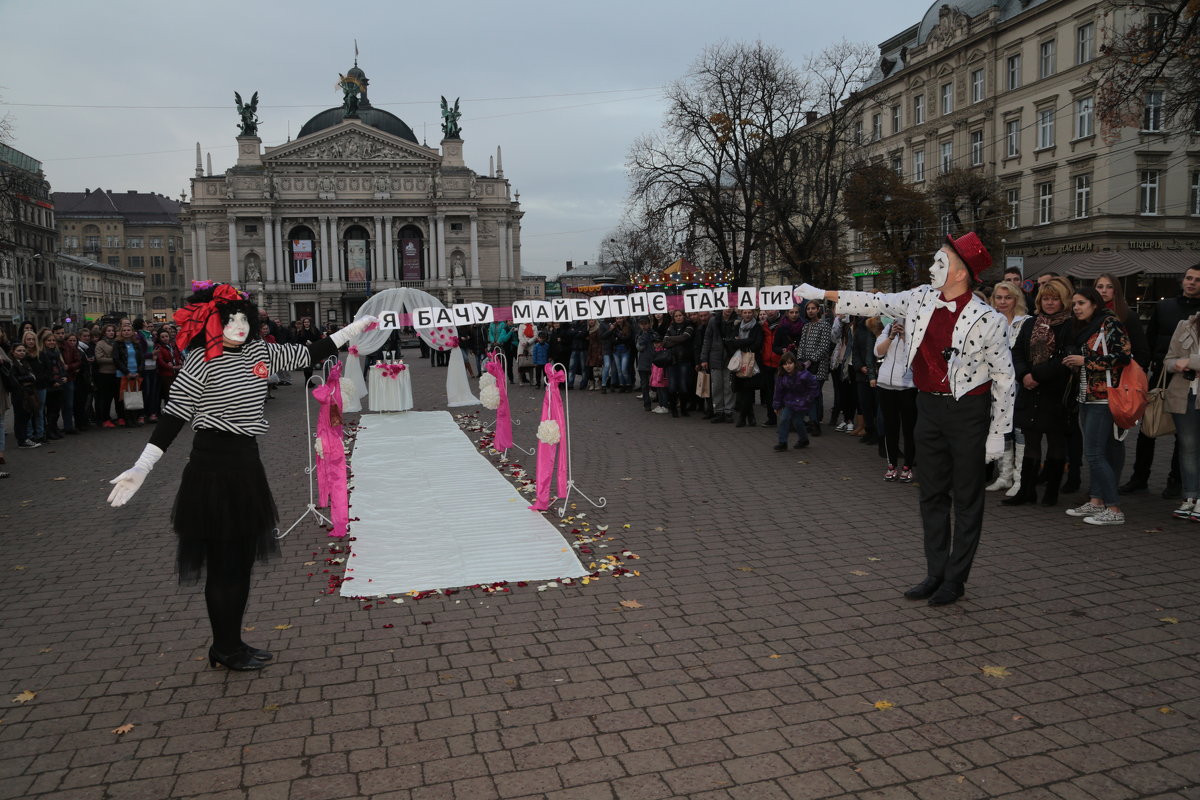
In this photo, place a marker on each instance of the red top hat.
(972, 252)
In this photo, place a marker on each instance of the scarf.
(744, 328)
(1041, 339)
(195, 318)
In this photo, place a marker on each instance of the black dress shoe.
(261, 655)
(947, 594)
(238, 661)
(1134, 486)
(924, 589)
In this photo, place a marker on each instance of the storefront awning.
(1088, 266)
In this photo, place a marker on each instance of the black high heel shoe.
(239, 661)
(261, 655)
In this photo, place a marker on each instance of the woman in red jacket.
(168, 360)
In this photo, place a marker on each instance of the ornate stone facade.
(377, 209)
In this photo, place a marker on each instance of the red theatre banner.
(410, 259)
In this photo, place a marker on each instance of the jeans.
(578, 367)
(624, 361)
(68, 406)
(791, 420)
(1105, 456)
(150, 391)
(609, 374)
(817, 410)
(1187, 434)
(37, 420)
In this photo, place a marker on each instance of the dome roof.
(368, 115)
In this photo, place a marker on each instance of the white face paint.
(236, 330)
(940, 271)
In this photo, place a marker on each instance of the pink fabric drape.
(332, 487)
(552, 408)
(495, 368)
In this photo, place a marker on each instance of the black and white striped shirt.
(228, 393)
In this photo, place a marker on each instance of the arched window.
(302, 254)
(159, 302)
(411, 244)
(356, 253)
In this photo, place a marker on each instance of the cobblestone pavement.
(770, 640)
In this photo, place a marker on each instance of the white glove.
(995, 447)
(128, 482)
(352, 331)
(808, 292)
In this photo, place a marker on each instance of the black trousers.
(845, 397)
(951, 438)
(899, 407)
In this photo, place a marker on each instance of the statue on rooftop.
(450, 117)
(248, 113)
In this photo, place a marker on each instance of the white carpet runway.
(434, 513)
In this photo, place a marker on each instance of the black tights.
(226, 590)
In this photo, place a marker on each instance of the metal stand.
(571, 487)
(514, 420)
(312, 495)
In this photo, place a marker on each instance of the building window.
(112, 241)
(947, 156)
(919, 165)
(1045, 203)
(456, 226)
(895, 119)
(1083, 196)
(156, 261)
(876, 127)
(156, 280)
(1084, 37)
(976, 148)
(1152, 119)
(1149, 192)
(156, 242)
(947, 98)
(977, 86)
(134, 242)
(1084, 118)
(858, 131)
(248, 229)
(898, 166)
(1012, 138)
(1196, 193)
(918, 109)
(1013, 196)
(1046, 60)
(1045, 128)
(1014, 72)
(114, 261)
(137, 262)
(944, 224)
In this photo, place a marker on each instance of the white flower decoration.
(549, 432)
(490, 396)
(487, 380)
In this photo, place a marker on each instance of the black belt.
(940, 394)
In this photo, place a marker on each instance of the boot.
(1054, 474)
(1004, 478)
(1072, 483)
(750, 420)
(1028, 493)
(860, 426)
(741, 421)
(1019, 458)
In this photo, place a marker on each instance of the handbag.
(1127, 401)
(1157, 421)
(747, 366)
(662, 358)
(131, 393)
(735, 361)
(703, 384)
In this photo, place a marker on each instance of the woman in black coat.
(748, 339)
(1041, 406)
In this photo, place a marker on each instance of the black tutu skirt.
(224, 502)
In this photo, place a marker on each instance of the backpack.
(1128, 400)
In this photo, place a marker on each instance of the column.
(474, 249)
(441, 247)
(195, 258)
(338, 272)
(502, 248)
(508, 236)
(389, 255)
(270, 273)
(202, 266)
(377, 267)
(233, 251)
(325, 262)
(431, 249)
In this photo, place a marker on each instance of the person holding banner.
(680, 377)
(748, 340)
(224, 514)
(963, 372)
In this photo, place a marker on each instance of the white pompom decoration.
(549, 432)
(490, 396)
(487, 381)
(349, 393)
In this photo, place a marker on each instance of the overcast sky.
(587, 74)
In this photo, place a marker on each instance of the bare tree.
(969, 200)
(636, 247)
(1152, 45)
(696, 178)
(896, 220)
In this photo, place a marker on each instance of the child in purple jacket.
(795, 391)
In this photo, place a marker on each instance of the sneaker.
(661, 410)
(1085, 510)
(843, 427)
(108, 423)
(28, 444)
(891, 473)
(120, 423)
(906, 475)
(1185, 510)
(639, 397)
(1106, 517)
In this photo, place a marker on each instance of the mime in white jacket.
(962, 367)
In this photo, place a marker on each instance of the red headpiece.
(196, 317)
(972, 252)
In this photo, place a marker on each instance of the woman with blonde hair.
(1009, 300)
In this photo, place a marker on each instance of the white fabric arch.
(458, 390)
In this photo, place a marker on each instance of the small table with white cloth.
(389, 387)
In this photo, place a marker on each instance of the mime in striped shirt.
(223, 513)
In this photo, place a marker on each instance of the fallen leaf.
(282, 627)
(248, 628)
(126, 728)
(774, 655)
(1166, 710)
(272, 707)
(45, 650)
(873, 558)
(858, 572)
(63, 478)
(309, 563)
(24, 697)
(630, 604)
(996, 672)
(1017, 717)
(884, 705)
(745, 569)
(1169, 620)
(626, 479)
(19, 567)
(659, 528)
